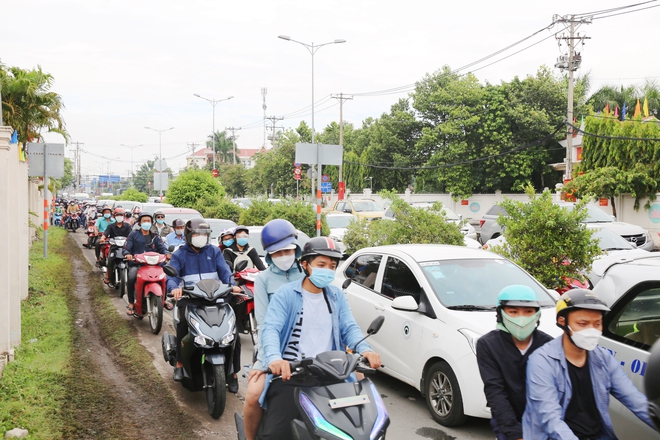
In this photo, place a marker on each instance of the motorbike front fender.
(153, 288)
(215, 358)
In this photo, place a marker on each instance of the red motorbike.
(244, 305)
(74, 222)
(91, 234)
(150, 289)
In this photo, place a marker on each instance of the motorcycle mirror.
(652, 384)
(346, 283)
(170, 271)
(241, 266)
(171, 248)
(375, 325)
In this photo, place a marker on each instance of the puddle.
(434, 434)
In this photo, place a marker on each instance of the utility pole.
(192, 146)
(273, 120)
(76, 165)
(233, 139)
(570, 62)
(341, 99)
(264, 90)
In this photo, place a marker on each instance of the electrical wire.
(627, 12)
(606, 11)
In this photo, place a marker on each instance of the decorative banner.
(603, 201)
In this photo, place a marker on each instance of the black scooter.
(208, 348)
(335, 409)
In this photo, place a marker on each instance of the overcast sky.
(124, 65)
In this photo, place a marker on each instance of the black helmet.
(321, 246)
(652, 384)
(144, 214)
(196, 226)
(177, 223)
(578, 299)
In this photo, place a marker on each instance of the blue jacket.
(283, 311)
(194, 266)
(549, 392)
(175, 240)
(266, 284)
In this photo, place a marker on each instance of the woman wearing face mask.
(502, 358)
(570, 379)
(176, 238)
(240, 250)
(226, 239)
(278, 239)
(140, 241)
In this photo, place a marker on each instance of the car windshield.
(594, 215)
(128, 206)
(255, 241)
(476, 283)
(365, 206)
(339, 221)
(609, 241)
(218, 225)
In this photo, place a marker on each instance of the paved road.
(409, 417)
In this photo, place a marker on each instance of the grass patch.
(32, 388)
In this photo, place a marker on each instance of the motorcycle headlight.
(196, 326)
(227, 339)
(151, 260)
(202, 341)
(319, 421)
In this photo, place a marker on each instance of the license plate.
(348, 401)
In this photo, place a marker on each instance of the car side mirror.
(170, 271)
(405, 303)
(375, 325)
(346, 283)
(348, 210)
(241, 266)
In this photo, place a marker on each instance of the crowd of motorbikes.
(215, 319)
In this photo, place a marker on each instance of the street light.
(160, 151)
(213, 103)
(131, 147)
(371, 182)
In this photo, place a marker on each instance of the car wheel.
(443, 395)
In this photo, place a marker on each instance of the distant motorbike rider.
(160, 227)
(118, 229)
(176, 238)
(226, 239)
(241, 250)
(101, 226)
(139, 242)
(194, 261)
(133, 220)
(71, 209)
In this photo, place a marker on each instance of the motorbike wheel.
(253, 327)
(122, 282)
(443, 395)
(156, 316)
(216, 393)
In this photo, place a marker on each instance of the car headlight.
(471, 337)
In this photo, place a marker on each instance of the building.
(246, 156)
(200, 158)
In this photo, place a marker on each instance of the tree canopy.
(191, 186)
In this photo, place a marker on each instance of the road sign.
(326, 187)
(215, 173)
(297, 171)
(296, 176)
(325, 178)
(161, 182)
(160, 165)
(329, 154)
(54, 166)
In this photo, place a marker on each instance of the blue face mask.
(160, 221)
(229, 242)
(242, 241)
(106, 215)
(145, 226)
(321, 277)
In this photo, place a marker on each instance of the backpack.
(242, 256)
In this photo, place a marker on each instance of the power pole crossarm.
(233, 139)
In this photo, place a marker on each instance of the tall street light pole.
(213, 103)
(160, 151)
(312, 49)
(131, 147)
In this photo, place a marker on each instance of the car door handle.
(379, 308)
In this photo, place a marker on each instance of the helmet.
(227, 231)
(516, 295)
(136, 210)
(119, 211)
(177, 223)
(158, 212)
(106, 208)
(277, 235)
(144, 214)
(196, 226)
(241, 228)
(321, 246)
(652, 384)
(580, 299)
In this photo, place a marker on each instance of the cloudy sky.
(126, 64)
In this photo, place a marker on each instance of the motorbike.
(57, 219)
(208, 348)
(329, 406)
(91, 234)
(244, 306)
(119, 277)
(73, 223)
(150, 289)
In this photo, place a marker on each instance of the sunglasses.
(160, 217)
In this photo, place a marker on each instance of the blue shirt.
(103, 224)
(193, 266)
(175, 240)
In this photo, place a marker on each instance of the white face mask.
(119, 219)
(284, 262)
(179, 231)
(199, 241)
(586, 339)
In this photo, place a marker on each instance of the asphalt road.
(407, 409)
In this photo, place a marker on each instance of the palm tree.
(28, 104)
(618, 95)
(224, 147)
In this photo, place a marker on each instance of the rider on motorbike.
(176, 238)
(194, 261)
(101, 226)
(240, 249)
(226, 239)
(160, 227)
(118, 229)
(305, 318)
(278, 239)
(139, 242)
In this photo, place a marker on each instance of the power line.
(627, 12)
(606, 11)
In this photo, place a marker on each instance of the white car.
(437, 301)
(466, 229)
(631, 289)
(338, 222)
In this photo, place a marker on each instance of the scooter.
(91, 234)
(150, 289)
(57, 219)
(119, 277)
(244, 306)
(73, 223)
(329, 406)
(208, 348)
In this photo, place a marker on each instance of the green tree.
(223, 147)
(218, 207)
(29, 105)
(68, 177)
(273, 169)
(144, 177)
(304, 132)
(234, 178)
(547, 240)
(133, 195)
(191, 186)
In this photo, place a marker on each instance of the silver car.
(631, 288)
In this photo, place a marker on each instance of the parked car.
(152, 207)
(489, 228)
(631, 289)
(466, 229)
(217, 226)
(255, 240)
(361, 208)
(103, 202)
(184, 214)
(437, 301)
(126, 204)
(338, 222)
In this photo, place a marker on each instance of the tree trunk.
(613, 206)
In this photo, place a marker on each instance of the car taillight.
(481, 222)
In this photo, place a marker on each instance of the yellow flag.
(638, 110)
(646, 107)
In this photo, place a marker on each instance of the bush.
(548, 241)
(133, 195)
(301, 215)
(219, 207)
(258, 214)
(191, 186)
(412, 225)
